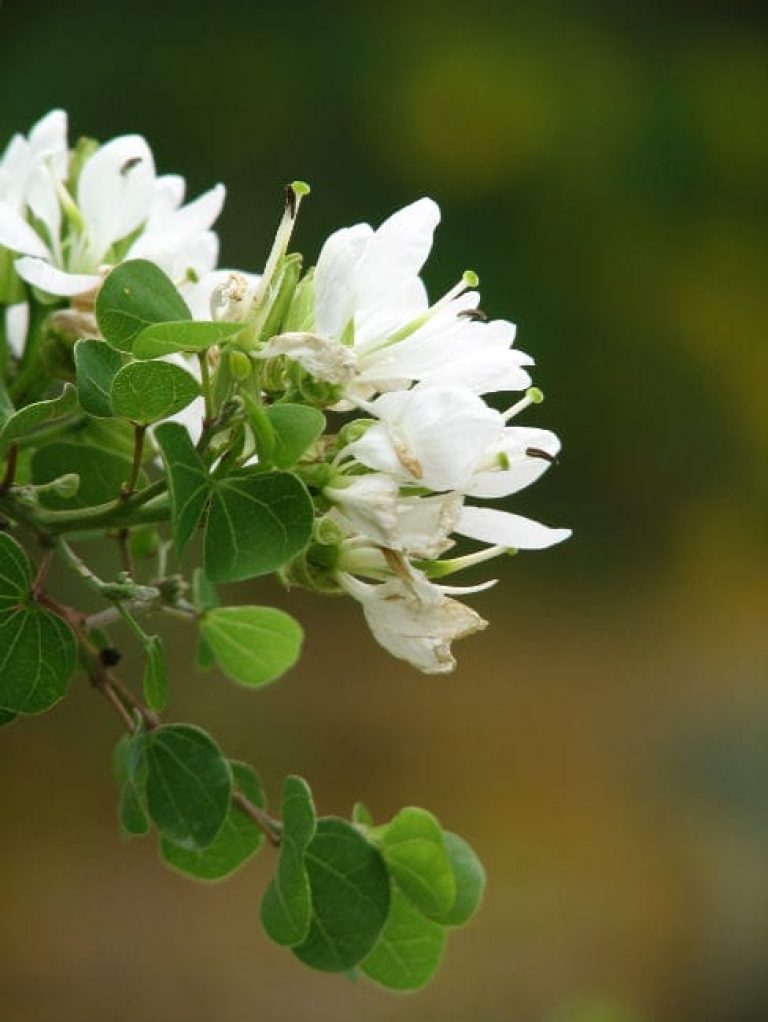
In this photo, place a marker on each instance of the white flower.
(414, 619)
(119, 199)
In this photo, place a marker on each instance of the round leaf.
(96, 364)
(253, 645)
(350, 897)
(415, 851)
(188, 784)
(239, 838)
(147, 391)
(286, 907)
(409, 950)
(256, 523)
(136, 294)
(295, 427)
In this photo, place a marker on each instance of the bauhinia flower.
(371, 328)
(67, 218)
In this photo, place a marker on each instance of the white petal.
(425, 523)
(490, 525)
(49, 136)
(399, 247)
(16, 326)
(523, 470)
(115, 191)
(170, 230)
(55, 282)
(369, 503)
(17, 235)
(44, 203)
(335, 278)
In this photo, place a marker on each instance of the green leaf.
(350, 897)
(25, 420)
(188, 784)
(286, 907)
(101, 472)
(257, 522)
(469, 877)
(37, 648)
(239, 838)
(253, 645)
(147, 391)
(186, 335)
(296, 428)
(133, 819)
(362, 815)
(409, 950)
(97, 364)
(187, 480)
(155, 674)
(204, 591)
(136, 294)
(6, 717)
(415, 852)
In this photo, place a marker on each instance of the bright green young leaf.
(409, 949)
(415, 852)
(133, 819)
(257, 522)
(187, 480)
(253, 645)
(469, 876)
(155, 674)
(102, 473)
(136, 294)
(23, 421)
(188, 784)
(37, 648)
(6, 717)
(361, 815)
(296, 428)
(350, 897)
(286, 907)
(186, 335)
(238, 839)
(147, 391)
(97, 364)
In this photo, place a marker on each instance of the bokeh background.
(605, 743)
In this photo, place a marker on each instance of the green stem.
(139, 433)
(205, 385)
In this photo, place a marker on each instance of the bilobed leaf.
(155, 674)
(256, 523)
(188, 784)
(239, 838)
(409, 949)
(133, 819)
(296, 428)
(134, 295)
(362, 815)
(286, 907)
(97, 364)
(350, 897)
(25, 420)
(253, 645)
(469, 877)
(415, 852)
(187, 480)
(147, 391)
(102, 473)
(185, 335)
(37, 648)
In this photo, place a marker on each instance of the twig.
(271, 827)
(138, 451)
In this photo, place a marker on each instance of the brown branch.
(270, 826)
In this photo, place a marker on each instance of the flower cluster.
(417, 445)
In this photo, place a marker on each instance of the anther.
(537, 452)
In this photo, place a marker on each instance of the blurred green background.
(605, 744)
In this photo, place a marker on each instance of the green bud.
(145, 541)
(301, 312)
(240, 365)
(327, 532)
(66, 486)
(354, 430)
(286, 277)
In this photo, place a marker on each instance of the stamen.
(474, 314)
(439, 569)
(128, 166)
(294, 193)
(537, 452)
(533, 396)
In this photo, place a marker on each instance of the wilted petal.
(323, 358)
(369, 504)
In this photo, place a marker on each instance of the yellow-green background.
(605, 743)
